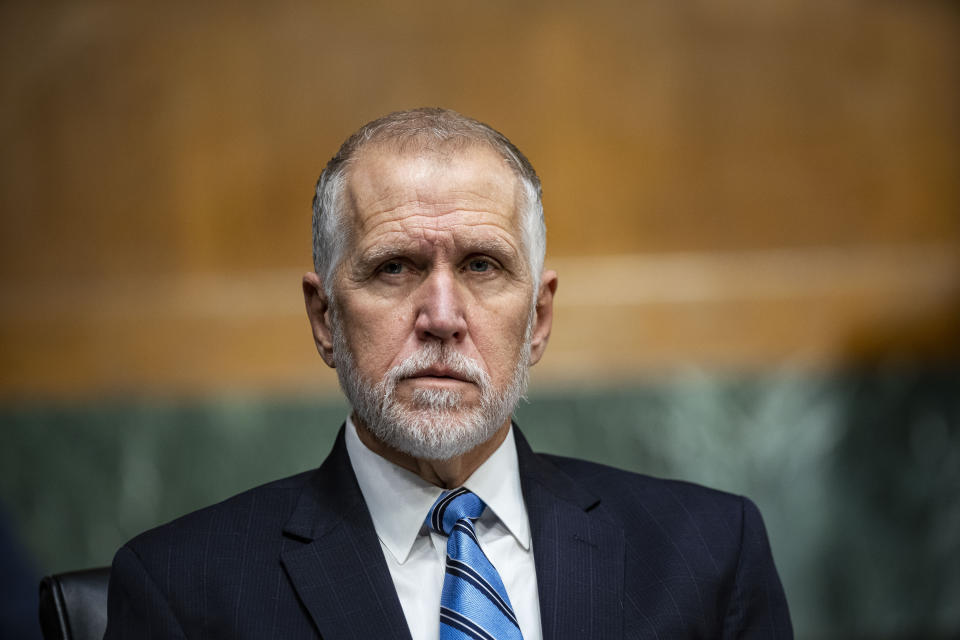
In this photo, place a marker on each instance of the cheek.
(499, 338)
(375, 336)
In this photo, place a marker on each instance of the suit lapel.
(334, 559)
(579, 556)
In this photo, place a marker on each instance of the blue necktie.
(473, 604)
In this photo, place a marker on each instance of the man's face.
(433, 303)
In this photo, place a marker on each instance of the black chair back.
(73, 606)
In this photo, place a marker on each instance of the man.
(430, 299)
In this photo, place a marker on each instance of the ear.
(543, 321)
(318, 312)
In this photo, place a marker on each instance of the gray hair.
(419, 129)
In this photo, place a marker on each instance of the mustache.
(436, 355)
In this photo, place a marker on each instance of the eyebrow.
(382, 252)
(494, 247)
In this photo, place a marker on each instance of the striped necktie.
(473, 604)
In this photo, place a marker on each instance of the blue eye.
(392, 267)
(479, 265)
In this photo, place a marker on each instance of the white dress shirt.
(399, 501)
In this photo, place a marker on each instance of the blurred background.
(754, 209)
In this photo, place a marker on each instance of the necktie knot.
(451, 507)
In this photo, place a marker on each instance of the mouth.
(438, 374)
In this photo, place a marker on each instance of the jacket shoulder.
(212, 572)
(700, 552)
(627, 488)
(257, 512)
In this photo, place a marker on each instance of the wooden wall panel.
(158, 162)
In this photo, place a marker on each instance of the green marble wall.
(857, 475)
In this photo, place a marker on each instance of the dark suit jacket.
(618, 555)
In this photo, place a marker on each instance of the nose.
(441, 312)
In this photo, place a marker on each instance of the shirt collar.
(399, 500)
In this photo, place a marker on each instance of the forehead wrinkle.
(425, 179)
(418, 216)
(458, 237)
(430, 205)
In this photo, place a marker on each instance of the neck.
(447, 474)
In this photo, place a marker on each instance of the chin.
(428, 434)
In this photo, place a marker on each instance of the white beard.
(436, 426)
